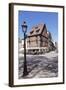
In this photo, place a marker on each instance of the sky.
(33, 18)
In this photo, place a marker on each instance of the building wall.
(44, 41)
(33, 41)
(37, 41)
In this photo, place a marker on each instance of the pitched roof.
(36, 29)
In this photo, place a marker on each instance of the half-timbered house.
(39, 40)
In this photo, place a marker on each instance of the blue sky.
(33, 18)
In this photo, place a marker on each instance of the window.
(29, 41)
(36, 27)
(37, 30)
(36, 41)
(31, 32)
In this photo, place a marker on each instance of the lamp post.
(24, 28)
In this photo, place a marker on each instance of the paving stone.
(40, 66)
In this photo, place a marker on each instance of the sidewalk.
(48, 55)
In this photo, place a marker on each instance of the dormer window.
(36, 27)
(31, 32)
(37, 30)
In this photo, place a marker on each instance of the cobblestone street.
(40, 66)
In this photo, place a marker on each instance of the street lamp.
(24, 29)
